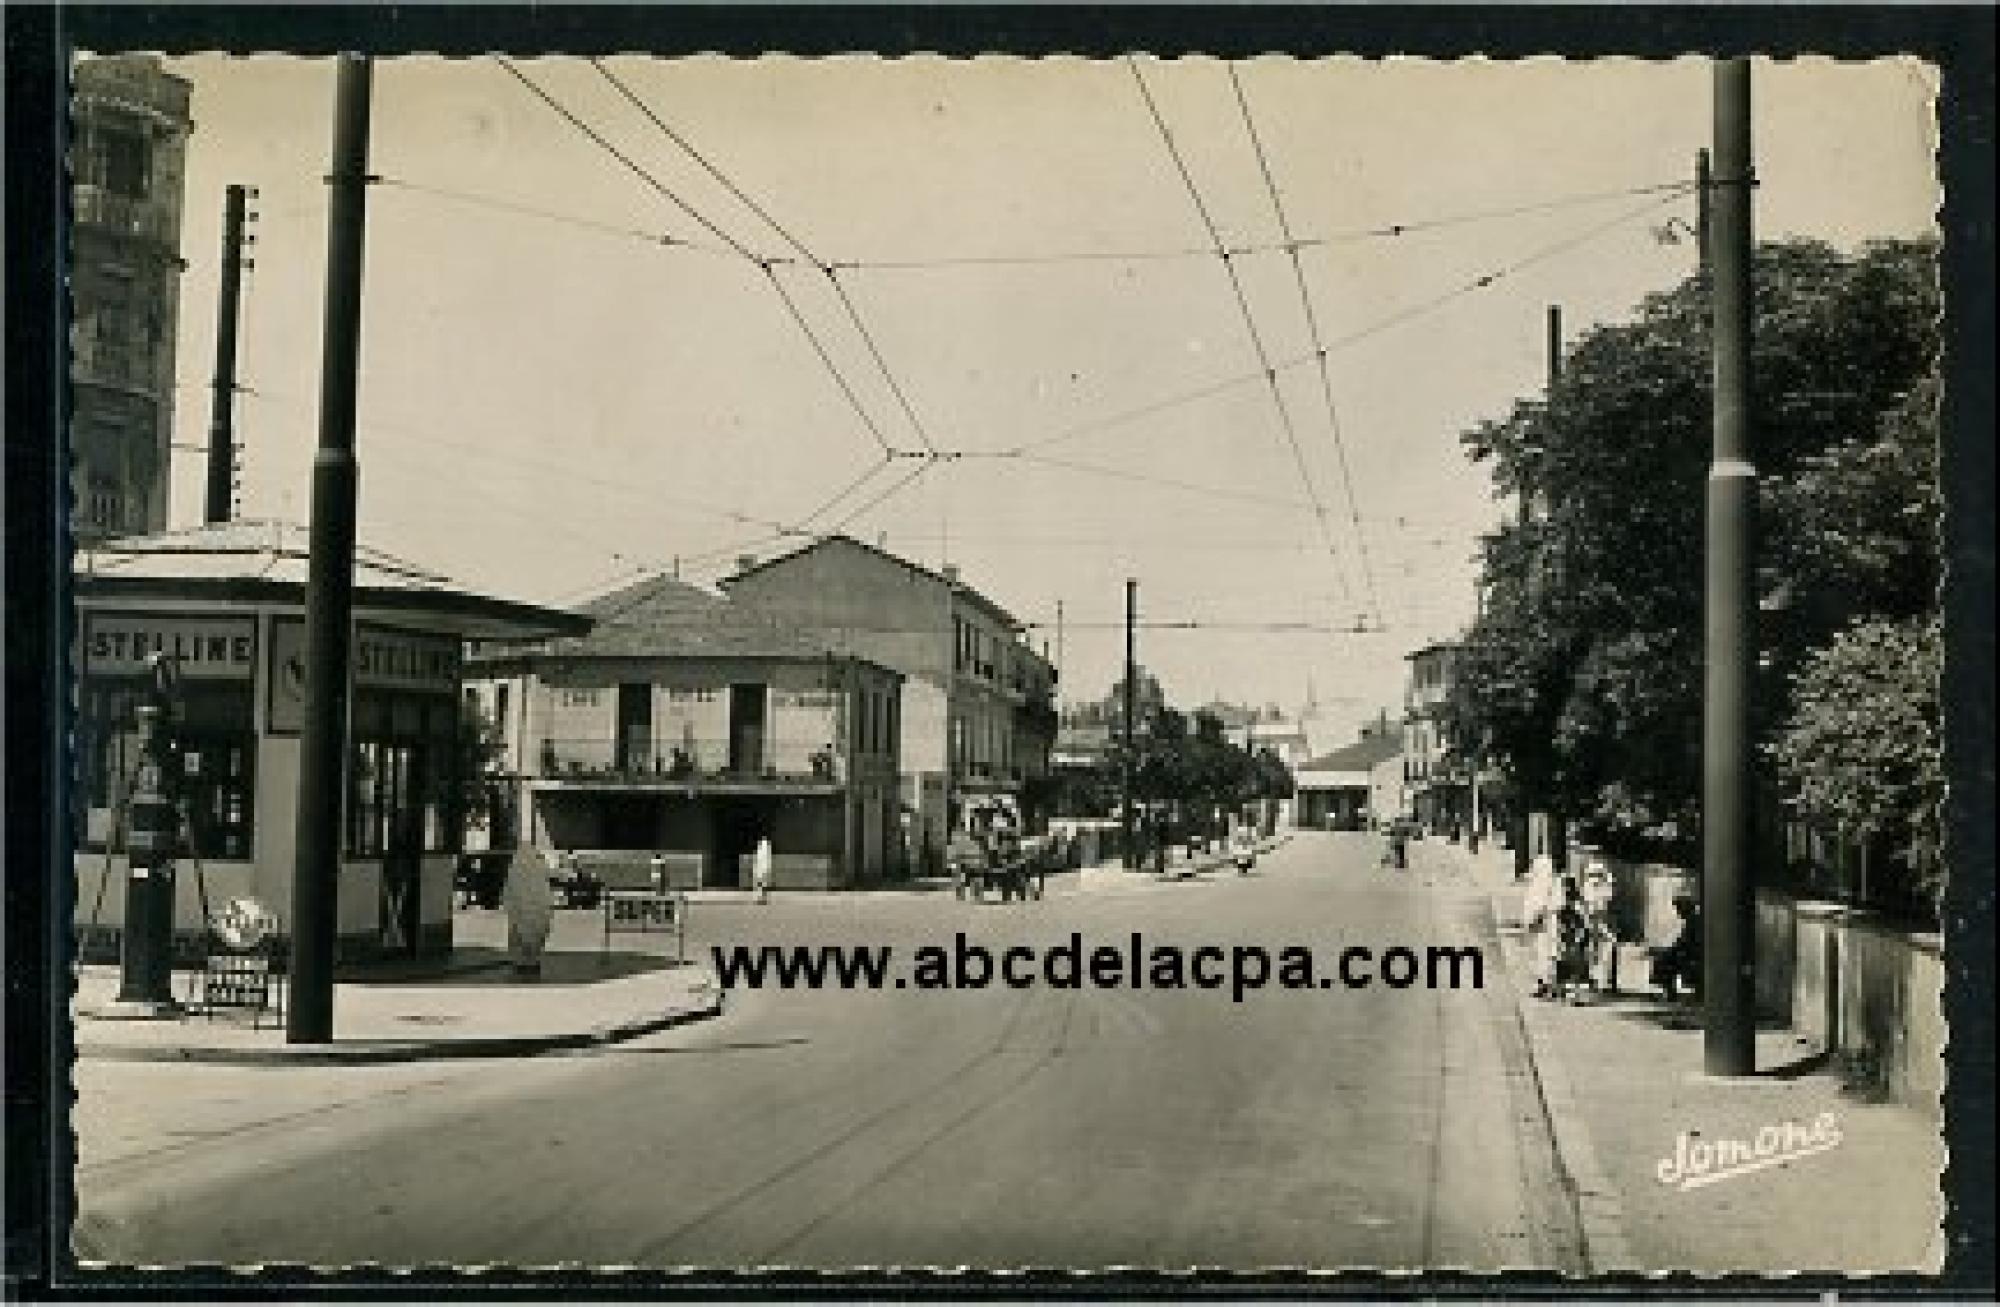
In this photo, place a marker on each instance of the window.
(214, 782)
(121, 161)
(402, 784)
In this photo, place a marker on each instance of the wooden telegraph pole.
(222, 411)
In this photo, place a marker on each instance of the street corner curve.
(706, 999)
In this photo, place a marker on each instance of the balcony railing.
(641, 758)
(124, 215)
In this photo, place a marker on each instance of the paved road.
(1085, 1128)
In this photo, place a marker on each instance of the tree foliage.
(1582, 676)
(1861, 752)
(482, 793)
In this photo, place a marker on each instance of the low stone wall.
(796, 871)
(1880, 990)
(1868, 991)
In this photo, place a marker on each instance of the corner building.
(978, 715)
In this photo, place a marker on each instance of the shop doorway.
(635, 728)
(746, 729)
(402, 849)
(740, 821)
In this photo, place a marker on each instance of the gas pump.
(153, 823)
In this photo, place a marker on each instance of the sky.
(553, 398)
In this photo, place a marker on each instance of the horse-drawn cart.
(1018, 872)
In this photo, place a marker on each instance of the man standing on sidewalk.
(760, 869)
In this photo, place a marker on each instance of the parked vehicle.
(479, 877)
(575, 886)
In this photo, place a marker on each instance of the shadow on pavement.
(740, 1046)
(476, 965)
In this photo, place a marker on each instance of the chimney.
(744, 562)
(951, 572)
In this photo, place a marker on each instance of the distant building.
(1436, 775)
(1388, 797)
(1335, 791)
(978, 703)
(683, 728)
(131, 124)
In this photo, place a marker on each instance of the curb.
(1600, 1211)
(438, 1050)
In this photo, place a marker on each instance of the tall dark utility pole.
(1703, 221)
(1524, 820)
(1728, 883)
(222, 410)
(1130, 832)
(330, 573)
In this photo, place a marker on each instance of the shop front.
(226, 605)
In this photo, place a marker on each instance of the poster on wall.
(382, 659)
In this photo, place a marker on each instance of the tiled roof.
(253, 559)
(823, 541)
(253, 549)
(1362, 755)
(663, 617)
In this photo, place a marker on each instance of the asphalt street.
(998, 1128)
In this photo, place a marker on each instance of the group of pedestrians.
(1570, 936)
(1573, 940)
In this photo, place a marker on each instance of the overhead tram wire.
(1154, 479)
(1312, 329)
(1196, 624)
(1249, 322)
(1210, 390)
(742, 251)
(1385, 231)
(801, 531)
(409, 432)
(473, 199)
(805, 252)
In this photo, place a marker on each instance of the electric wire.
(1249, 322)
(1223, 385)
(1312, 328)
(742, 251)
(410, 432)
(1155, 479)
(915, 473)
(653, 239)
(1384, 231)
(839, 378)
(853, 312)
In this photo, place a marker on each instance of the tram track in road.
(902, 1160)
(725, 1232)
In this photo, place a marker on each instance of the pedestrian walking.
(1575, 942)
(760, 869)
(1678, 965)
(1597, 895)
(1539, 904)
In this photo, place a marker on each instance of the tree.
(1582, 675)
(1861, 752)
(482, 792)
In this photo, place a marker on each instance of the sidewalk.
(470, 1005)
(1623, 1084)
